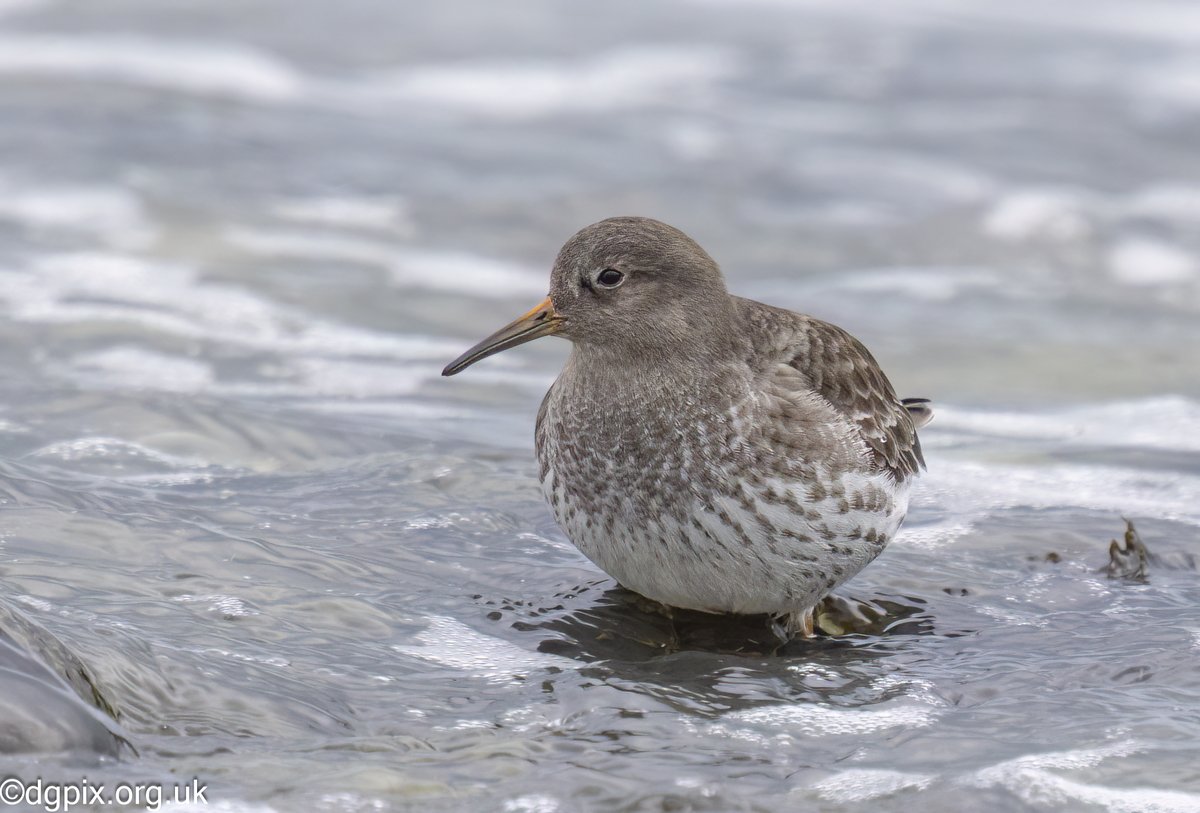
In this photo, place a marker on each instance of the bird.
(710, 452)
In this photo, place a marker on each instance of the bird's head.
(626, 288)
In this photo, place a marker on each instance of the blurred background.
(239, 240)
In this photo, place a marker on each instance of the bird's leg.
(779, 630)
(674, 644)
(649, 605)
(668, 612)
(787, 626)
(803, 623)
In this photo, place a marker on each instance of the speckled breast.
(694, 507)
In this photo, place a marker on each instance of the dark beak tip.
(540, 321)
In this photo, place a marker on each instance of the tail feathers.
(919, 409)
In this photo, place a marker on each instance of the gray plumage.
(709, 451)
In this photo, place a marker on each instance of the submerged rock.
(48, 700)
(1130, 558)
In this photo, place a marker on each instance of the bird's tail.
(919, 409)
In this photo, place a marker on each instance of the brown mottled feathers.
(840, 370)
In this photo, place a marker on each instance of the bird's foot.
(835, 616)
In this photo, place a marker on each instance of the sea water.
(238, 241)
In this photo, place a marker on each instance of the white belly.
(773, 549)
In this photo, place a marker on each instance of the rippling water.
(238, 240)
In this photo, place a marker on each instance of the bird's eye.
(610, 278)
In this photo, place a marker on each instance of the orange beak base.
(541, 321)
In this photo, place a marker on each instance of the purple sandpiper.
(707, 451)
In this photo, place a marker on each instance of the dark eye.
(610, 278)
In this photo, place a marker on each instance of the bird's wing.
(840, 370)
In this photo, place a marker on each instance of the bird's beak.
(541, 321)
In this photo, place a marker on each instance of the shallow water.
(238, 240)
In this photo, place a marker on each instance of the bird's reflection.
(620, 625)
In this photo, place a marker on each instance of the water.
(239, 240)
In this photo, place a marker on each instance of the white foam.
(934, 535)
(448, 642)
(1031, 213)
(1142, 261)
(169, 298)
(216, 806)
(207, 69)
(927, 284)
(92, 447)
(1166, 201)
(402, 410)
(350, 802)
(1015, 618)
(621, 78)
(8, 427)
(1169, 423)
(971, 490)
(864, 784)
(1052, 790)
(318, 357)
(914, 688)
(532, 803)
(388, 214)
(966, 490)
(461, 271)
(1065, 215)
(457, 271)
(129, 367)
(111, 214)
(1070, 760)
(36, 603)
(1031, 779)
(693, 140)
(230, 606)
(904, 174)
(809, 719)
(352, 379)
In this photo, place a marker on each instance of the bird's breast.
(697, 509)
(645, 453)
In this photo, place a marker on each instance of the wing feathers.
(839, 369)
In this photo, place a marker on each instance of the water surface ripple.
(238, 241)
